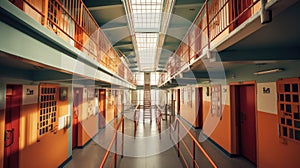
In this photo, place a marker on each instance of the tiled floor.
(147, 149)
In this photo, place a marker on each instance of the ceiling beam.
(183, 2)
(100, 5)
(113, 28)
(195, 74)
(129, 45)
(188, 5)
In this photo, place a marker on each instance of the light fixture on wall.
(268, 71)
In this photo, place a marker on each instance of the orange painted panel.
(222, 133)
(51, 150)
(87, 129)
(272, 152)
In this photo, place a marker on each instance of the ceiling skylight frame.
(145, 17)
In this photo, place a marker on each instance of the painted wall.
(216, 128)
(188, 105)
(110, 103)
(88, 119)
(272, 150)
(48, 151)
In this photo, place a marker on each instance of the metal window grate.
(47, 109)
(288, 91)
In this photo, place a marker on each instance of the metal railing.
(214, 19)
(72, 21)
(136, 117)
(180, 140)
(114, 142)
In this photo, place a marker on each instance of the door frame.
(73, 125)
(200, 107)
(102, 114)
(235, 144)
(14, 87)
(178, 101)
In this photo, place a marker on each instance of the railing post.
(122, 138)
(178, 143)
(46, 6)
(81, 14)
(194, 154)
(116, 149)
(207, 24)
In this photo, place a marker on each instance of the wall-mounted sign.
(63, 122)
(63, 93)
(266, 90)
(267, 97)
(30, 94)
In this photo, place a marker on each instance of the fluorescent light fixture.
(268, 71)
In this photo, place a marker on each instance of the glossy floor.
(147, 149)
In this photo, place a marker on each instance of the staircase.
(147, 111)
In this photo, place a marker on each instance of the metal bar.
(123, 123)
(194, 154)
(207, 23)
(197, 143)
(112, 142)
(235, 19)
(116, 151)
(186, 147)
(178, 140)
(34, 8)
(184, 159)
(45, 12)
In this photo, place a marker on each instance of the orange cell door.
(247, 122)
(12, 118)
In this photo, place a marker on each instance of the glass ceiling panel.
(146, 18)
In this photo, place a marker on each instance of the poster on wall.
(63, 122)
(191, 97)
(30, 94)
(91, 93)
(185, 99)
(216, 102)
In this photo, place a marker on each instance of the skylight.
(146, 20)
(146, 15)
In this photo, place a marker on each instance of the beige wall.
(267, 102)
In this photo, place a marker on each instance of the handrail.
(213, 19)
(72, 21)
(136, 118)
(158, 116)
(195, 143)
(114, 141)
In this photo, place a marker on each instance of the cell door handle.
(8, 137)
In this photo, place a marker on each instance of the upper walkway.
(69, 46)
